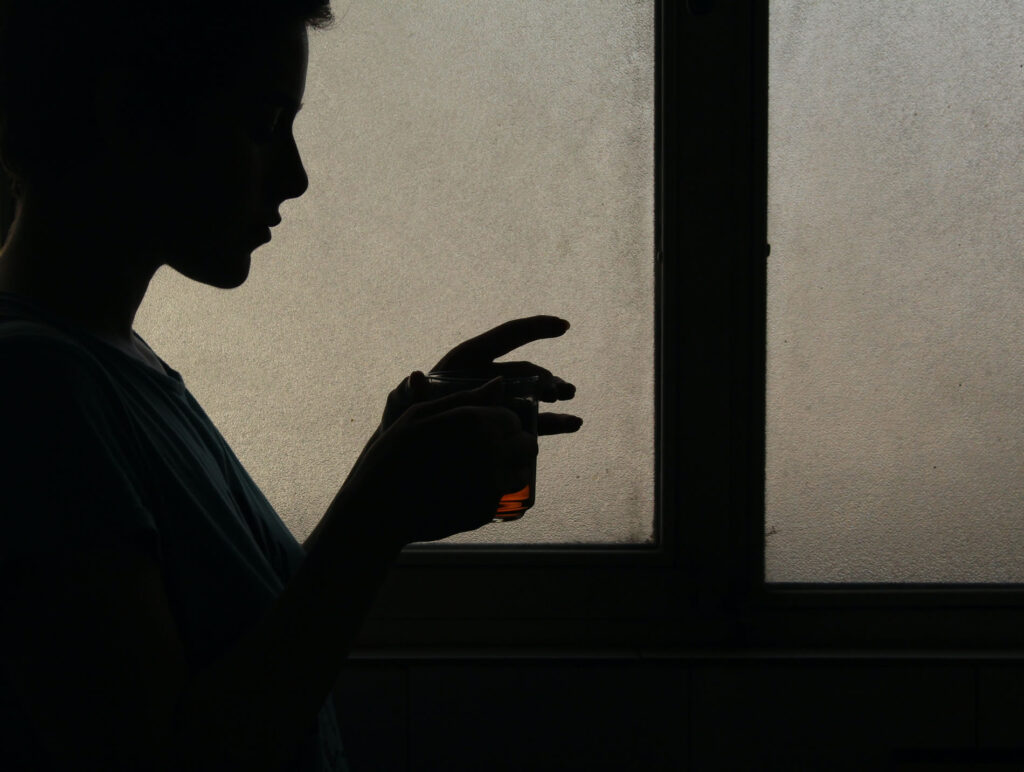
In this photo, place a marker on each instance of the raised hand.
(442, 466)
(476, 357)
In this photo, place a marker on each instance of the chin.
(217, 272)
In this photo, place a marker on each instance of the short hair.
(53, 52)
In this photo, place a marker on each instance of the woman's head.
(175, 113)
(170, 54)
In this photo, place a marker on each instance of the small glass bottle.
(520, 398)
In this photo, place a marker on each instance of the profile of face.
(202, 200)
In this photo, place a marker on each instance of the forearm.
(314, 536)
(252, 709)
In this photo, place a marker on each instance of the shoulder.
(38, 359)
(54, 391)
(70, 463)
(26, 338)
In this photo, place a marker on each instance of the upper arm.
(71, 470)
(93, 653)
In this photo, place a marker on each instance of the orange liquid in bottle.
(513, 505)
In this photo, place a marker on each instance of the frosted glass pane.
(469, 163)
(895, 429)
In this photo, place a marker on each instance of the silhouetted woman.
(157, 613)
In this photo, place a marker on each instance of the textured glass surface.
(895, 435)
(469, 163)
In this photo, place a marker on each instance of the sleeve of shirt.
(69, 470)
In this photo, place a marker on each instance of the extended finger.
(556, 389)
(551, 388)
(500, 340)
(558, 423)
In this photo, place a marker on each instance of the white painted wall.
(896, 291)
(469, 162)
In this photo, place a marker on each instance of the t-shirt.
(96, 442)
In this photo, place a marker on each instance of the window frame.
(704, 586)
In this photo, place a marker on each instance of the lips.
(261, 234)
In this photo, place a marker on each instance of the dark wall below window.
(682, 714)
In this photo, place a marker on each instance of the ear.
(117, 109)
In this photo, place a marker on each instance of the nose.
(291, 178)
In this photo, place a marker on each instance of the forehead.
(273, 61)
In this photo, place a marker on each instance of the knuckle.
(512, 419)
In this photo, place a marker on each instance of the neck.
(78, 264)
